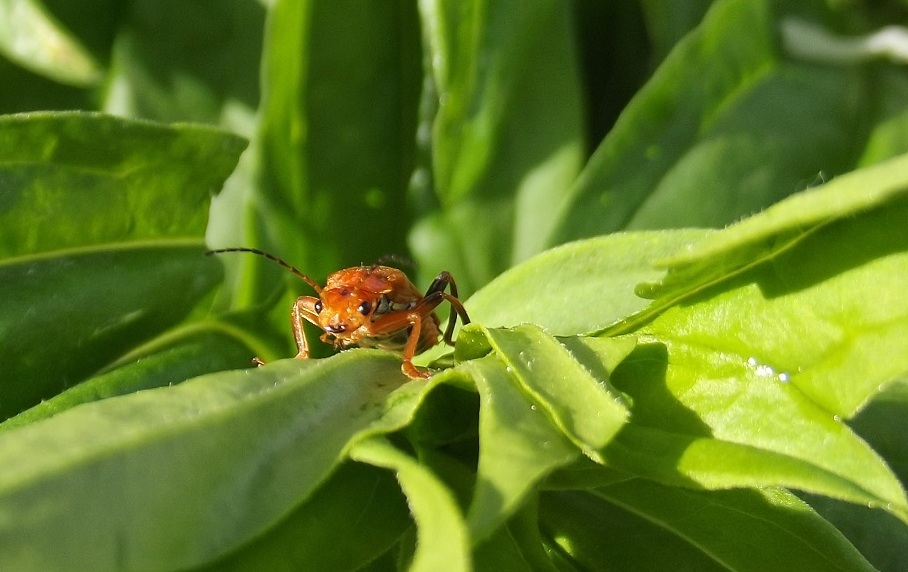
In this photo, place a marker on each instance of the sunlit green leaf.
(518, 446)
(579, 287)
(172, 477)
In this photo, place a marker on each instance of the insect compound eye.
(318, 307)
(364, 308)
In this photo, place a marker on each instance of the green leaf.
(321, 213)
(66, 315)
(592, 535)
(829, 316)
(442, 534)
(518, 446)
(579, 287)
(696, 530)
(80, 179)
(179, 61)
(587, 409)
(889, 135)
(195, 352)
(245, 447)
(715, 422)
(351, 519)
(704, 148)
(669, 22)
(31, 37)
(780, 228)
(503, 111)
(101, 229)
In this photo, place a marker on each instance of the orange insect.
(372, 306)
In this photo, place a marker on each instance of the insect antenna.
(280, 261)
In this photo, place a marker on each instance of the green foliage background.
(683, 355)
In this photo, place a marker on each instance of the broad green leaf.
(174, 477)
(780, 228)
(523, 431)
(442, 543)
(353, 517)
(501, 118)
(67, 314)
(704, 147)
(723, 530)
(578, 287)
(101, 231)
(80, 179)
(879, 536)
(518, 445)
(705, 419)
(587, 409)
(31, 37)
(828, 316)
(194, 352)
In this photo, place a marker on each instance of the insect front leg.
(406, 320)
(303, 311)
(407, 366)
(436, 293)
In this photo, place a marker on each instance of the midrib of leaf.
(175, 242)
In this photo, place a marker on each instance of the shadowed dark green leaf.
(193, 353)
(501, 120)
(696, 530)
(336, 133)
(704, 148)
(66, 315)
(443, 543)
(178, 61)
(351, 519)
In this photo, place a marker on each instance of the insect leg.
(436, 291)
(407, 366)
(303, 311)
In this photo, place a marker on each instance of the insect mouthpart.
(338, 329)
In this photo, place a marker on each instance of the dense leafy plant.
(636, 391)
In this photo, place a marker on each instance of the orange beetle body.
(373, 306)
